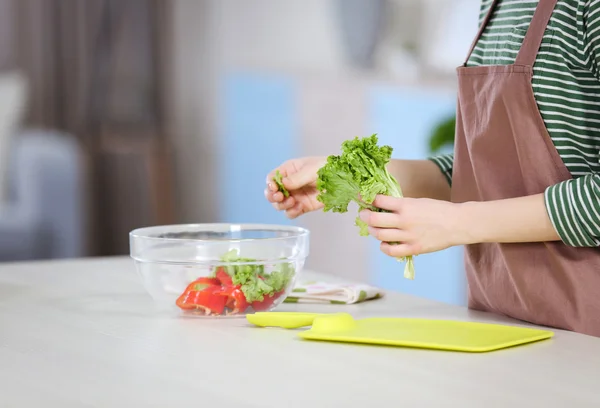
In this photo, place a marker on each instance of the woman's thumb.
(298, 180)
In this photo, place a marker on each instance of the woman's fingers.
(271, 185)
(272, 197)
(380, 219)
(388, 203)
(295, 211)
(278, 200)
(286, 204)
(389, 234)
(398, 250)
(298, 180)
(271, 176)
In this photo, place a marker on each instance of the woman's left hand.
(415, 226)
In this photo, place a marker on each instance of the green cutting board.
(404, 332)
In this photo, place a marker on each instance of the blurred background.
(118, 114)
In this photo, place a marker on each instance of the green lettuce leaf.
(278, 179)
(358, 175)
(253, 281)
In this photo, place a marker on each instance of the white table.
(83, 333)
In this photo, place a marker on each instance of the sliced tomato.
(236, 300)
(197, 286)
(200, 296)
(267, 302)
(208, 281)
(223, 277)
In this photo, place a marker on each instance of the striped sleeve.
(574, 205)
(574, 209)
(445, 163)
(591, 27)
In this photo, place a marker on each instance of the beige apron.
(503, 150)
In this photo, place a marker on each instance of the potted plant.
(443, 134)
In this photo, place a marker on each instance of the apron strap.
(484, 24)
(535, 33)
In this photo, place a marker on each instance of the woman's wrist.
(420, 179)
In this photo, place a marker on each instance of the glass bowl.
(219, 269)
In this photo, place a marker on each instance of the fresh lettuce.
(253, 281)
(278, 179)
(359, 174)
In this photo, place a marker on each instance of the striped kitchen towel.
(343, 294)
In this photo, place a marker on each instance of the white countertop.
(83, 333)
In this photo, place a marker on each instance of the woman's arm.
(523, 219)
(420, 179)
(424, 225)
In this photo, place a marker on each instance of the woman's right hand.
(299, 178)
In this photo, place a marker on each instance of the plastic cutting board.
(417, 333)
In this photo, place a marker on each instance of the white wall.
(281, 34)
(304, 36)
(193, 96)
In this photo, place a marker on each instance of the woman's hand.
(299, 178)
(415, 226)
(420, 226)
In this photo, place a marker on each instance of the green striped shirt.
(566, 84)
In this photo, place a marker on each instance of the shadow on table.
(11, 291)
(122, 304)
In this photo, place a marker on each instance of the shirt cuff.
(445, 162)
(574, 209)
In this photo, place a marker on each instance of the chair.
(44, 214)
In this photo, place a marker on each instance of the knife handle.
(286, 320)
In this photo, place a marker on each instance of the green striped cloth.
(333, 293)
(566, 84)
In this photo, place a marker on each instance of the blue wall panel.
(404, 120)
(258, 132)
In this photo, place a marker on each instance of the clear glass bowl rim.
(139, 235)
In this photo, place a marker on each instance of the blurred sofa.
(42, 216)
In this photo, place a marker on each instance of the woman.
(522, 190)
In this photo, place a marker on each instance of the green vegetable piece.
(359, 174)
(256, 290)
(253, 281)
(363, 227)
(280, 279)
(278, 179)
(299, 290)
